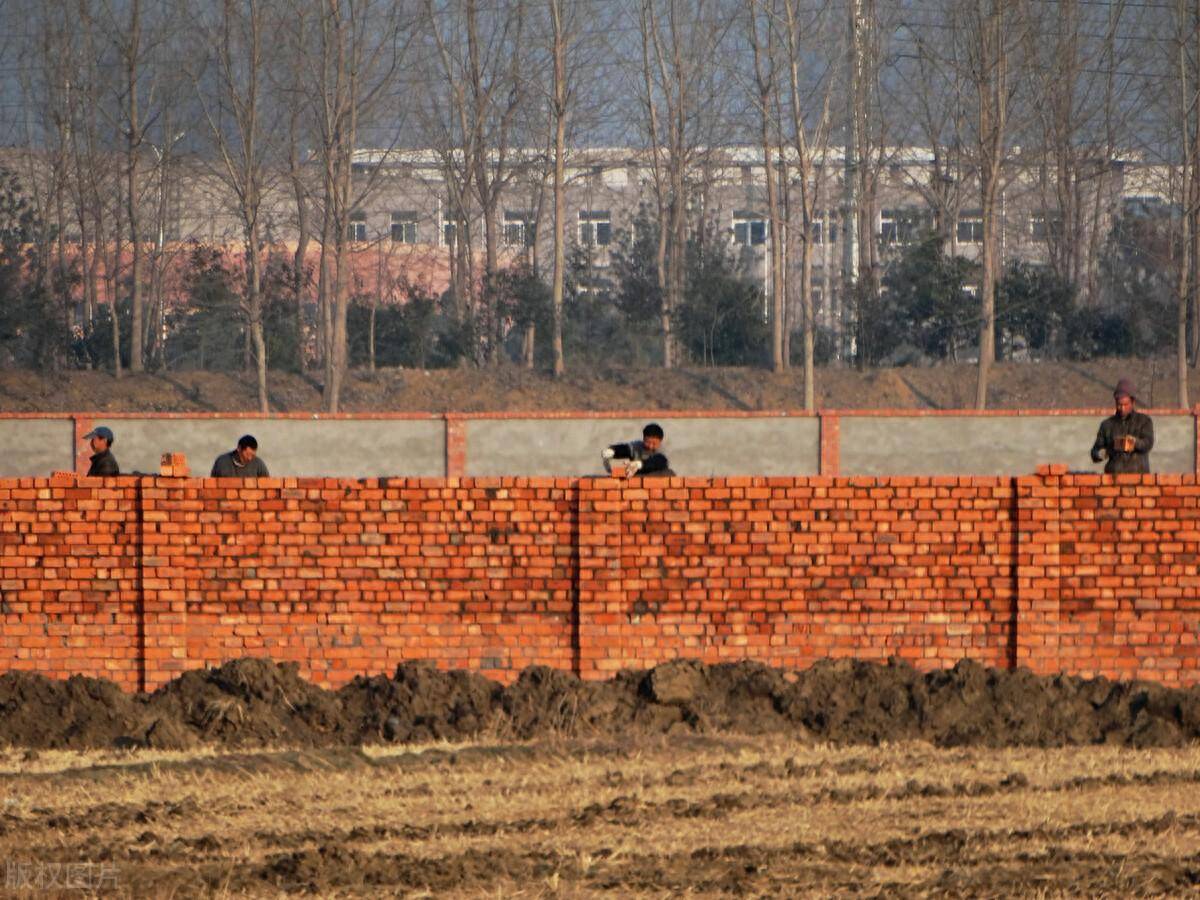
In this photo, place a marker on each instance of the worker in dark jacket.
(103, 461)
(639, 458)
(1125, 438)
(242, 462)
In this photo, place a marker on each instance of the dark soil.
(258, 703)
(1068, 385)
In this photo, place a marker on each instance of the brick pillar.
(168, 562)
(456, 446)
(1038, 570)
(600, 578)
(830, 461)
(81, 451)
(1196, 435)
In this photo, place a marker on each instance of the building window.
(888, 231)
(749, 229)
(822, 232)
(904, 225)
(357, 230)
(1146, 206)
(449, 233)
(518, 229)
(1044, 226)
(404, 227)
(970, 227)
(595, 227)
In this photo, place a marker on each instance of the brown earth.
(257, 703)
(1014, 385)
(648, 817)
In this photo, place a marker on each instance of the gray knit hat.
(1125, 388)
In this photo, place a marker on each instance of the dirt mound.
(250, 702)
(254, 702)
(78, 712)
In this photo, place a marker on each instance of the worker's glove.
(608, 453)
(633, 467)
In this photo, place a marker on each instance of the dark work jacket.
(103, 463)
(1141, 426)
(226, 466)
(655, 464)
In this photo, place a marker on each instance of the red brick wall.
(138, 579)
(1129, 551)
(350, 577)
(789, 571)
(69, 577)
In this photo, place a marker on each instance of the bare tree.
(761, 31)
(930, 91)
(135, 129)
(564, 32)
(809, 92)
(683, 95)
(479, 60)
(94, 180)
(352, 49)
(994, 31)
(243, 121)
(1187, 51)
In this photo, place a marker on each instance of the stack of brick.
(173, 465)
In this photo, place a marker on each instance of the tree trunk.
(560, 140)
(806, 301)
(987, 315)
(1181, 344)
(112, 276)
(371, 335)
(299, 272)
(660, 258)
(132, 146)
(254, 300)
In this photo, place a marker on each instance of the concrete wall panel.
(36, 447)
(710, 446)
(362, 448)
(993, 445)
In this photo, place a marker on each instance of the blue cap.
(100, 432)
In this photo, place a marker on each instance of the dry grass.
(656, 818)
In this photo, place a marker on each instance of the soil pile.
(255, 703)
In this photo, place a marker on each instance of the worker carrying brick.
(241, 462)
(638, 458)
(1126, 437)
(103, 461)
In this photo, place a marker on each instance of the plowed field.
(651, 816)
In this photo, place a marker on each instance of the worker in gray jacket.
(1125, 438)
(242, 462)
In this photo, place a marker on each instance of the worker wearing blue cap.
(103, 461)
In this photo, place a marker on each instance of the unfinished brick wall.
(137, 579)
